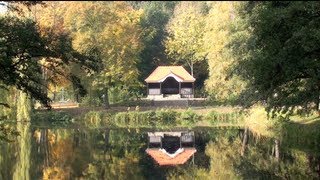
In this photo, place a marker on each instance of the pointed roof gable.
(162, 72)
(163, 159)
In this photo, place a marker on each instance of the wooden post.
(160, 88)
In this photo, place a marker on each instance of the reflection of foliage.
(162, 117)
(115, 168)
(7, 159)
(119, 154)
(227, 162)
(189, 172)
(224, 155)
(215, 117)
(125, 141)
(7, 132)
(93, 119)
(189, 117)
(56, 173)
(22, 167)
(59, 118)
(120, 161)
(61, 154)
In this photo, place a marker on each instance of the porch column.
(160, 88)
(147, 89)
(179, 87)
(193, 89)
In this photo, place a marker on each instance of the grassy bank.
(146, 117)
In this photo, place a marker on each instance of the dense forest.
(239, 52)
(256, 66)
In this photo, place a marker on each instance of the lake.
(120, 153)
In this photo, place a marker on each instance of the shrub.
(166, 117)
(161, 117)
(233, 117)
(189, 117)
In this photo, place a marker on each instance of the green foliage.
(185, 40)
(217, 34)
(25, 51)
(59, 118)
(20, 43)
(277, 46)
(93, 98)
(111, 33)
(154, 19)
(134, 118)
(215, 117)
(189, 117)
(166, 116)
(7, 97)
(8, 132)
(163, 117)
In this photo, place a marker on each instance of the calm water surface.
(80, 153)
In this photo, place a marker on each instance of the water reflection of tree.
(259, 161)
(7, 159)
(22, 167)
(120, 158)
(120, 154)
(226, 161)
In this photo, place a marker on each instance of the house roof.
(163, 159)
(162, 72)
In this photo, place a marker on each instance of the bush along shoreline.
(159, 118)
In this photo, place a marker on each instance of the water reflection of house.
(171, 148)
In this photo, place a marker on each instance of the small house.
(170, 80)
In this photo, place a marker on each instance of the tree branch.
(5, 105)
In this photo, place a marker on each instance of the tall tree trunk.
(75, 94)
(276, 149)
(244, 141)
(191, 67)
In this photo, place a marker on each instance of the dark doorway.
(171, 143)
(170, 86)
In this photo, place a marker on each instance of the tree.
(278, 51)
(185, 40)
(153, 22)
(23, 47)
(217, 35)
(50, 20)
(110, 32)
